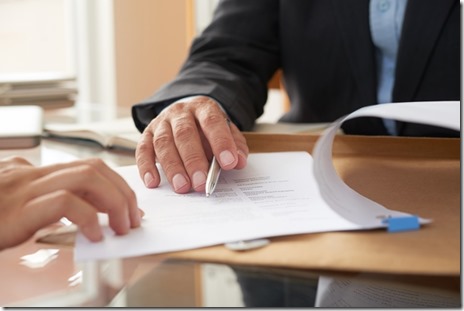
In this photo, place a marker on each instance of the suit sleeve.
(231, 61)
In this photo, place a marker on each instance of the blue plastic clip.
(406, 223)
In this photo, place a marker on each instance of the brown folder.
(415, 175)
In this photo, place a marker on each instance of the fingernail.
(178, 182)
(198, 179)
(226, 158)
(148, 179)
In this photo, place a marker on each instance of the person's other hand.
(183, 138)
(35, 197)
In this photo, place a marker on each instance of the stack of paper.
(48, 90)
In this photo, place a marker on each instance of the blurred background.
(97, 57)
(94, 55)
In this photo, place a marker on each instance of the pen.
(213, 176)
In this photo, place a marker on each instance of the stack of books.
(48, 90)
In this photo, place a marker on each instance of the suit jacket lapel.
(416, 44)
(353, 22)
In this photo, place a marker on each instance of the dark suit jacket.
(327, 56)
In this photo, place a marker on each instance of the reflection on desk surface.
(155, 281)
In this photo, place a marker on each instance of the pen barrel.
(213, 176)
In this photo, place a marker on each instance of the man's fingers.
(216, 128)
(169, 158)
(189, 146)
(146, 160)
(184, 137)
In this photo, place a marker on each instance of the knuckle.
(192, 160)
(176, 108)
(162, 139)
(172, 111)
(184, 130)
(87, 171)
(13, 163)
(97, 162)
(144, 147)
(211, 119)
(159, 131)
(63, 198)
(18, 160)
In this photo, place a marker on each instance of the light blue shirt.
(386, 21)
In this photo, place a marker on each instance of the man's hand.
(35, 197)
(183, 138)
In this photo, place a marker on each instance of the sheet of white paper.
(276, 194)
(363, 293)
(344, 200)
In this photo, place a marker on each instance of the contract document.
(280, 193)
(275, 195)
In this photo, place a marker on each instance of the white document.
(276, 194)
(344, 200)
